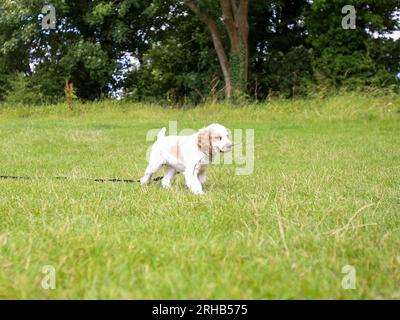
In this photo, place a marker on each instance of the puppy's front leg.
(192, 181)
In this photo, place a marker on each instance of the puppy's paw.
(197, 192)
(166, 185)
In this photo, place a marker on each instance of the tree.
(85, 47)
(180, 67)
(280, 58)
(259, 47)
(235, 19)
(354, 57)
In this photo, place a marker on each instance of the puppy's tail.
(161, 134)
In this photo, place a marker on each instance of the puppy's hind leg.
(202, 177)
(169, 174)
(153, 167)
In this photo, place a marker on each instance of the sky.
(395, 35)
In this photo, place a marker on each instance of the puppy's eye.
(219, 138)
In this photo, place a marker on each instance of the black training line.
(69, 178)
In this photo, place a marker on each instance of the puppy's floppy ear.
(204, 140)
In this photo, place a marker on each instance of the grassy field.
(325, 193)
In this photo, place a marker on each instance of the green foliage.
(295, 47)
(25, 90)
(286, 74)
(87, 65)
(180, 69)
(89, 39)
(20, 92)
(350, 57)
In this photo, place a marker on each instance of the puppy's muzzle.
(226, 148)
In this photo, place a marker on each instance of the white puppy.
(187, 154)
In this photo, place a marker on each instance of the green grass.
(324, 193)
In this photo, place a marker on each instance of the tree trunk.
(219, 48)
(235, 15)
